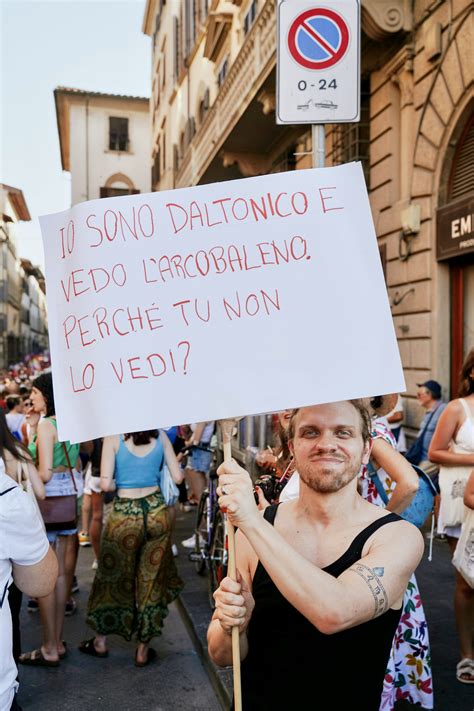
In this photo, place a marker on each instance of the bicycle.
(210, 549)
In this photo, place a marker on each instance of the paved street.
(176, 681)
(436, 581)
(179, 680)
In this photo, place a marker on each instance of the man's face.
(328, 447)
(424, 396)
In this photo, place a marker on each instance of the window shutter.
(176, 47)
(462, 177)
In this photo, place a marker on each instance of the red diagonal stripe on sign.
(316, 36)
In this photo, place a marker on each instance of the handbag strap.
(69, 465)
(378, 484)
(422, 433)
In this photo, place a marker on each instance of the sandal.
(36, 658)
(62, 655)
(465, 671)
(151, 656)
(87, 647)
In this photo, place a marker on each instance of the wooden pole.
(226, 430)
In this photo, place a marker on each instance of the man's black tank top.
(292, 665)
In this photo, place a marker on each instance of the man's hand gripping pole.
(226, 430)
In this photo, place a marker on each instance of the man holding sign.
(322, 577)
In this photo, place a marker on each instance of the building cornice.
(383, 18)
(62, 119)
(18, 202)
(148, 15)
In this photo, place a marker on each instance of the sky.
(85, 44)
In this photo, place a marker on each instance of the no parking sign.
(318, 67)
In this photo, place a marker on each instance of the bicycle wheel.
(201, 534)
(217, 554)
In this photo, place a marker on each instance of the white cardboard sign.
(216, 301)
(318, 63)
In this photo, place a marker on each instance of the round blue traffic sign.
(318, 38)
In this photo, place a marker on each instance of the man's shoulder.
(397, 533)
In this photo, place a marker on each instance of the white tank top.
(464, 440)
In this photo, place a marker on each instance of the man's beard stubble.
(326, 481)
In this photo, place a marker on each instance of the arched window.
(455, 239)
(461, 180)
(118, 184)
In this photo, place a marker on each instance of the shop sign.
(455, 229)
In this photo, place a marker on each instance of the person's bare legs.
(142, 652)
(464, 611)
(100, 643)
(65, 550)
(197, 481)
(86, 512)
(95, 530)
(188, 475)
(72, 550)
(48, 606)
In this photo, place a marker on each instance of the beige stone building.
(213, 118)
(23, 318)
(33, 317)
(104, 141)
(13, 210)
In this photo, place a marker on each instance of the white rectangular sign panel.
(318, 61)
(216, 301)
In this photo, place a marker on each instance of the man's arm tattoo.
(372, 576)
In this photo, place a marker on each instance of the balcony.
(234, 124)
(250, 69)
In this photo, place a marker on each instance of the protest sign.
(220, 300)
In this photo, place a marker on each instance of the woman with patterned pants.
(136, 578)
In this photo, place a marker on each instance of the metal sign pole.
(318, 138)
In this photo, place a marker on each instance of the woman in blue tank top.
(136, 578)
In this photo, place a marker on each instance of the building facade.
(213, 118)
(13, 210)
(104, 141)
(33, 316)
(23, 320)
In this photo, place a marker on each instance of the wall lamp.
(411, 220)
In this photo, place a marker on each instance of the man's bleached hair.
(364, 416)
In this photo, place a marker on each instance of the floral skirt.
(136, 578)
(408, 674)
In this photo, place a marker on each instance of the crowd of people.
(328, 551)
